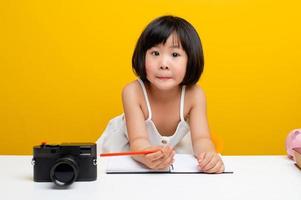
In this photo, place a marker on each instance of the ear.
(295, 133)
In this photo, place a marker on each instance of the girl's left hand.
(210, 162)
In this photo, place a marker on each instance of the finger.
(170, 159)
(207, 158)
(170, 155)
(201, 156)
(218, 168)
(211, 164)
(167, 150)
(153, 164)
(154, 156)
(222, 169)
(163, 165)
(166, 162)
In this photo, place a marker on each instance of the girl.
(165, 109)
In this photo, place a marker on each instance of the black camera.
(63, 164)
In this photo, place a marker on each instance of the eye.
(155, 53)
(175, 54)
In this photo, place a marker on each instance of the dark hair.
(157, 32)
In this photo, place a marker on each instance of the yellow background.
(63, 65)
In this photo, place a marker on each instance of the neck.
(163, 95)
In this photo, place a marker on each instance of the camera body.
(63, 164)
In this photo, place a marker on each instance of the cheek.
(149, 65)
(181, 70)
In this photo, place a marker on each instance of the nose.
(164, 62)
(164, 67)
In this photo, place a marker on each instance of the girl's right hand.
(160, 159)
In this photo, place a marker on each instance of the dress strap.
(146, 99)
(182, 103)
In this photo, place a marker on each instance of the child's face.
(166, 64)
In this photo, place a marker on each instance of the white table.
(255, 177)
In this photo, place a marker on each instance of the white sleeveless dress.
(115, 136)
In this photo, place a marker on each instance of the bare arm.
(200, 133)
(134, 118)
(138, 137)
(203, 147)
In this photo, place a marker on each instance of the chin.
(165, 85)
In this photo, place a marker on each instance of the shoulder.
(195, 95)
(132, 92)
(133, 99)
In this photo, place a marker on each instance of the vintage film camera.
(63, 164)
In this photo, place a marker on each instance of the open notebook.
(184, 164)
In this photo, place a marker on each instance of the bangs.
(160, 34)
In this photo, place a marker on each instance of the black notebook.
(184, 164)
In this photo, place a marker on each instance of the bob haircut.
(157, 32)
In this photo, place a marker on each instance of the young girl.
(165, 109)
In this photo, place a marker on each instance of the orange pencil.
(129, 153)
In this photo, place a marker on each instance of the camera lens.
(64, 172)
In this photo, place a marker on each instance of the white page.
(185, 163)
(188, 163)
(126, 164)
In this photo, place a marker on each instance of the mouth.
(163, 77)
